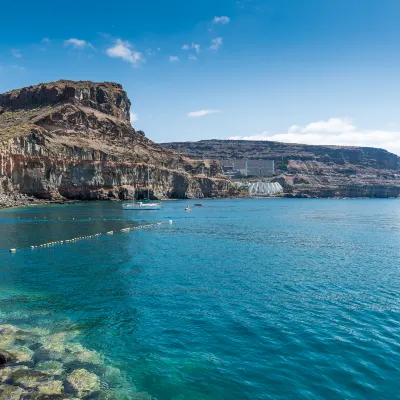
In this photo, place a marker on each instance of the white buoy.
(170, 221)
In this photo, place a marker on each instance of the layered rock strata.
(73, 140)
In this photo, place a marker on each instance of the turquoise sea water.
(239, 299)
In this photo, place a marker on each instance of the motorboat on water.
(187, 208)
(144, 204)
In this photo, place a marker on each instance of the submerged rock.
(5, 373)
(7, 329)
(39, 366)
(21, 354)
(28, 378)
(83, 382)
(107, 395)
(36, 396)
(89, 356)
(6, 357)
(8, 392)
(6, 340)
(51, 387)
(51, 367)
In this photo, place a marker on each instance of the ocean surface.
(238, 299)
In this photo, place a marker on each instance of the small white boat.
(146, 204)
(142, 206)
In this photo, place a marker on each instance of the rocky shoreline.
(38, 365)
(21, 200)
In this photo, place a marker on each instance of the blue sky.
(310, 71)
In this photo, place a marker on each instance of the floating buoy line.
(77, 239)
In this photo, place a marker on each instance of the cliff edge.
(73, 140)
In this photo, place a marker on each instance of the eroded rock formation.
(73, 140)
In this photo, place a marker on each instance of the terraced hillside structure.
(73, 140)
(311, 171)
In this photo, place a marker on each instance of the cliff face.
(311, 171)
(73, 140)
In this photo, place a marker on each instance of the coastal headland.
(67, 140)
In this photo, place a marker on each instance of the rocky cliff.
(311, 171)
(73, 140)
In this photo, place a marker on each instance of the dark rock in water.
(36, 396)
(8, 392)
(28, 378)
(6, 357)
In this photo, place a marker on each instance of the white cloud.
(16, 53)
(221, 20)
(192, 46)
(173, 59)
(202, 113)
(123, 50)
(133, 117)
(77, 43)
(334, 131)
(196, 47)
(192, 57)
(18, 67)
(216, 43)
(46, 40)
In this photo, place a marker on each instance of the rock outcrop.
(311, 171)
(73, 140)
(40, 364)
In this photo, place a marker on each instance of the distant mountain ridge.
(311, 170)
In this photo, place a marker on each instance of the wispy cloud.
(216, 43)
(16, 53)
(123, 49)
(221, 20)
(192, 57)
(133, 117)
(46, 40)
(173, 59)
(77, 43)
(242, 3)
(334, 131)
(202, 113)
(196, 47)
(151, 52)
(18, 67)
